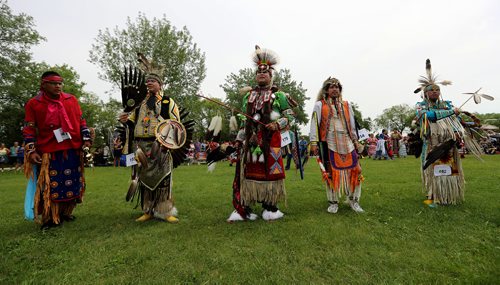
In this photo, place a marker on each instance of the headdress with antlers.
(152, 70)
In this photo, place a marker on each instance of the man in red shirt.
(54, 134)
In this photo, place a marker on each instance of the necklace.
(146, 121)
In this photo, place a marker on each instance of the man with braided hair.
(441, 130)
(333, 133)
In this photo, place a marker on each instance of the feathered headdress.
(428, 82)
(265, 59)
(152, 70)
(328, 82)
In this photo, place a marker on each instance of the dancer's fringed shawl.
(447, 189)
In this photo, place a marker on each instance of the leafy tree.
(11, 123)
(160, 42)
(95, 111)
(489, 119)
(17, 72)
(20, 78)
(17, 36)
(107, 118)
(207, 110)
(396, 117)
(363, 123)
(13, 99)
(102, 116)
(282, 79)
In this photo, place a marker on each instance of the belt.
(150, 139)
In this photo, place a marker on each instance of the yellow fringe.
(54, 212)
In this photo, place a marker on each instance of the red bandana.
(52, 78)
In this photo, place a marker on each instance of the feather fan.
(438, 152)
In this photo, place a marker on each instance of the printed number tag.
(61, 136)
(442, 170)
(130, 159)
(363, 134)
(285, 139)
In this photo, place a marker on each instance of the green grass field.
(397, 241)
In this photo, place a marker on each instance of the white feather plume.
(477, 98)
(488, 97)
(265, 56)
(233, 124)
(274, 115)
(218, 125)
(211, 167)
(445, 82)
(245, 90)
(211, 127)
(429, 79)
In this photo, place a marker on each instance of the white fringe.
(444, 189)
(448, 127)
(345, 187)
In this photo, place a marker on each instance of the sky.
(377, 49)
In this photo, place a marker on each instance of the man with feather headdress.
(333, 134)
(157, 132)
(260, 173)
(441, 130)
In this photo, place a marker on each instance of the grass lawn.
(397, 241)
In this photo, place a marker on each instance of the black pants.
(323, 153)
(269, 207)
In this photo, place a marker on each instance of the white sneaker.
(235, 216)
(356, 207)
(269, 216)
(333, 208)
(252, 217)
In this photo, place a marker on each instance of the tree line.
(116, 48)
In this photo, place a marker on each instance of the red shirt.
(39, 131)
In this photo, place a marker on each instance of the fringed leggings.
(159, 202)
